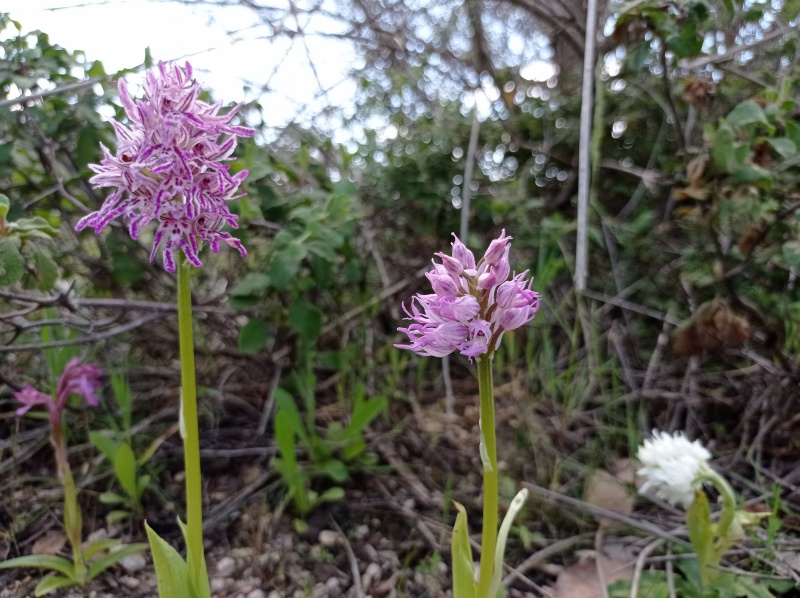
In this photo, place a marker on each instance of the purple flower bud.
(462, 254)
(442, 283)
(81, 379)
(498, 249)
(30, 397)
(170, 167)
(78, 378)
(451, 265)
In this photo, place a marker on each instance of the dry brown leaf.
(51, 543)
(607, 491)
(581, 580)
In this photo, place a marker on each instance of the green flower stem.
(73, 523)
(490, 492)
(728, 501)
(713, 539)
(190, 433)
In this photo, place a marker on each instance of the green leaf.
(687, 43)
(502, 537)
(637, 56)
(46, 268)
(5, 205)
(51, 583)
(35, 226)
(750, 588)
(112, 498)
(365, 411)
(332, 495)
(122, 395)
(463, 573)
(784, 147)
(201, 583)
(284, 265)
(117, 515)
(723, 150)
(790, 9)
(750, 173)
(12, 264)
(335, 469)
(41, 561)
(86, 146)
(746, 113)
(791, 253)
(97, 69)
(793, 132)
(728, 6)
(104, 444)
(100, 546)
(125, 468)
(305, 319)
(286, 404)
(285, 439)
(142, 484)
(172, 572)
(253, 336)
(252, 283)
(701, 534)
(112, 558)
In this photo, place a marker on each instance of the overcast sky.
(118, 31)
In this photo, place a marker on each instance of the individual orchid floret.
(82, 379)
(170, 167)
(472, 305)
(673, 467)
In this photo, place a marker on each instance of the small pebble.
(362, 531)
(371, 575)
(130, 582)
(328, 538)
(226, 566)
(133, 562)
(256, 594)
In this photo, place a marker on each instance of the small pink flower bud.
(497, 249)
(462, 254)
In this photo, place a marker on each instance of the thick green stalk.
(720, 541)
(191, 435)
(489, 458)
(728, 497)
(73, 523)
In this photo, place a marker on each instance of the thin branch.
(90, 338)
(585, 147)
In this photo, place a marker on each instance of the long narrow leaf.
(502, 538)
(41, 561)
(199, 575)
(463, 574)
(51, 583)
(100, 546)
(112, 558)
(172, 573)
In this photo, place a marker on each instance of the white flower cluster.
(671, 465)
